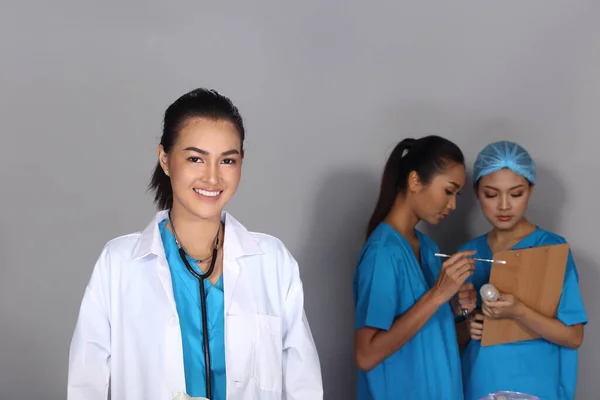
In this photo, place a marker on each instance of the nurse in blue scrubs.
(405, 338)
(504, 177)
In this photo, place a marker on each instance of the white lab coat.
(128, 332)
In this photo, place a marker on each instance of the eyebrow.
(456, 185)
(512, 188)
(204, 152)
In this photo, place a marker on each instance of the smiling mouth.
(208, 193)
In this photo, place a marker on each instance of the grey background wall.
(327, 89)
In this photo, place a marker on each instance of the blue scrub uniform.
(535, 367)
(187, 299)
(388, 281)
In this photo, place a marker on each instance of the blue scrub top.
(535, 367)
(388, 281)
(187, 299)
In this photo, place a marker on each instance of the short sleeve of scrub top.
(378, 291)
(571, 310)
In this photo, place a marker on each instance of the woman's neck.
(196, 235)
(402, 218)
(513, 235)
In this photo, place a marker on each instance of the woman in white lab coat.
(139, 334)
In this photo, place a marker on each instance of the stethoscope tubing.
(201, 278)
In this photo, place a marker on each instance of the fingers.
(463, 273)
(487, 311)
(497, 304)
(467, 303)
(461, 266)
(476, 328)
(459, 270)
(467, 287)
(464, 295)
(476, 325)
(466, 300)
(457, 256)
(470, 304)
(478, 317)
(458, 273)
(467, 290)
(506, 298)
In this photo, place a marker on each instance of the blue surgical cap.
(499, 155)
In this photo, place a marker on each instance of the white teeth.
(207, 193)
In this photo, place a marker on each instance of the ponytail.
(426, 156)
(390, 184)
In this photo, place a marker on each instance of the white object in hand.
(489, 292)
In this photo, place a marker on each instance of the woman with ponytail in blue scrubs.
(504, 178)
(405, 339)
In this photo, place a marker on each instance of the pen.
(476, 259)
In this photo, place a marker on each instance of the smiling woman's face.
(204, 165)
(504, 196)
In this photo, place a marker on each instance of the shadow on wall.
(454, 231)
(548, 198)
(342, 208)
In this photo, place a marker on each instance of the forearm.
(551, 329)
(385, 343)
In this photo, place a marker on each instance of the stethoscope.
(201, 278)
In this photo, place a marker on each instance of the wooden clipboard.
(535, 276)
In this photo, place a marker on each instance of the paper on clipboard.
(535, 276)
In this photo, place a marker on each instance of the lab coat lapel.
(231, 274)
(238, 244)
(150, 245)
(164, 275)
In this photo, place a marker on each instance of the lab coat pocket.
(239, 346)
(268, 353)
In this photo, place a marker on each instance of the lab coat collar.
(238, 242)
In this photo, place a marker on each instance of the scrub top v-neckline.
(187, 300)
(517, 246)
(417, 258)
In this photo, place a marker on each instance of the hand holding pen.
(453, 274)
(466, 297)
